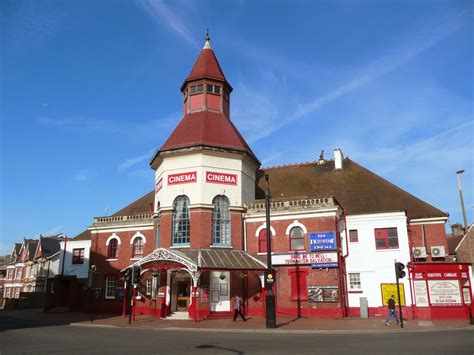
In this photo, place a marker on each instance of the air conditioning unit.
(419, 252)
(438, 252)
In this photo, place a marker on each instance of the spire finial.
(208, 39)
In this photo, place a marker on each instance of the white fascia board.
(433, 220)
(375, 216)
(111, 229)
(52, 256)
(260, 217)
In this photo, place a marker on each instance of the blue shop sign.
(322, 241)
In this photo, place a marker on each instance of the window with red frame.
(112, 249)
(262, 241)
(78, 256)
(137, 247)
(386, 238)
(299, 291)
(296, 239)
(353, 236)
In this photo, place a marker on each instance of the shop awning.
(199, 259)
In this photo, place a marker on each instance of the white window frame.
(354, 279)
(149, 287)
(108, 286)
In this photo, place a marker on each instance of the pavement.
(256, 324)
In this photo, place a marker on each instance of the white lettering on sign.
(444, 293)
(304, 258)
(183, 178)
(450, 274)
(159, 185)
(221, 178)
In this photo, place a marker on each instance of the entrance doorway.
(182, 293)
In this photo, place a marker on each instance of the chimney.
(338, 158)
(457, 229)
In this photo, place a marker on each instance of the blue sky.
(89, 89)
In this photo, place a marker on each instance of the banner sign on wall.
(317, 260)
(391, 289)
(322, 241)
(159, 185)
(323, 294)
(444, 292)
(421, 293)
(221, 178)
(182, 178)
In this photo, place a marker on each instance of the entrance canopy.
(198, 260)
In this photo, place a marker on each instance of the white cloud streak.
(371, 72)
(128, 163)
(163, 15)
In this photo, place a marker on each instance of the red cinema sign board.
(182, 178)
(221, 178)
(159, 185)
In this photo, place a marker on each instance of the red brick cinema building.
(199, 238)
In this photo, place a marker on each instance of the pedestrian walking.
(238, 308)
(391, 311)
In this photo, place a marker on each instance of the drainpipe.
(344, 274)
(64, 256)
(244, 222)
(157, 239)
(341, 268)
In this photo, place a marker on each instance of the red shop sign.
(221, 178)
(182, 178)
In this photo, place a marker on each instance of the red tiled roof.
(143, 205)
(356, 188)
(210, 129)
(453, 242)
(206, 66)
(85, 235)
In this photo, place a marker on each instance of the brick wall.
(435, 235)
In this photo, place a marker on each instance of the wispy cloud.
(417, 43)
(163, 15)
(130, 162)
(83, 176)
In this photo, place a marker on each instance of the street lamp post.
(270, 296)
(471, 261)
(458, 174)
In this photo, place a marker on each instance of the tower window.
(196, 89)
(214, 89)
(221, 221)
(181, 227)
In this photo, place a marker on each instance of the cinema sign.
(221, 178)
(182, 178)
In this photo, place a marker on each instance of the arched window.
(181, 228)
(262, 241)
(221, 221)
(137, 247)
(112, 249)
(296, 238)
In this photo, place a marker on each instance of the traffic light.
(136, 275)
(399, 267)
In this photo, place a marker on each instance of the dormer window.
(196, 89)
(214, 89)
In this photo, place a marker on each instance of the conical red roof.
(206, 66)
(209, 129)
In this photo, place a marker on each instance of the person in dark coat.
(391, 311)
(238, 308)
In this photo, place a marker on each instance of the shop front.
(194, 284)
(440, 291)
